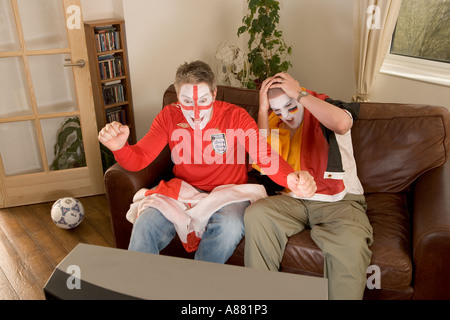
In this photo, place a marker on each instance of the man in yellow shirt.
(315, 138)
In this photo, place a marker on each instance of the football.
(67, 213)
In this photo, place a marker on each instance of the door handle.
(80, 63)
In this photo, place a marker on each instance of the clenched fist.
(302, 184)
(114, 135)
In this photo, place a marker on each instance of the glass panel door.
(46, 108)
(63, 143)
(8, 34)
(53, 84)
(14, 91)
(20, 158)
(43, 24)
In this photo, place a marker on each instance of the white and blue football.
(67, 213)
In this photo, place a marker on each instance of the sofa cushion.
(393, 143)
(391, 250)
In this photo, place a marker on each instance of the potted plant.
(268, 52)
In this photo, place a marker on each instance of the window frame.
(416, 68)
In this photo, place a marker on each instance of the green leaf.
(285, 66)
(266, 44)
(274, 64)
(253, 4)
(256, 25)
(241, 30)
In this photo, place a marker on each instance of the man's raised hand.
(114, 135)
(302, 184)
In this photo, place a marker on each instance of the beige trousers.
(341, 229)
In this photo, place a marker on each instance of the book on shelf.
(116, 114)
(110, 66)
(113, 92)
(107, 49)
(107, 38)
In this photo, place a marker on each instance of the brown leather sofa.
(401, 152)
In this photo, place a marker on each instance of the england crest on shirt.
(219, 143)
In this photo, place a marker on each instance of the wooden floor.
(31, 245)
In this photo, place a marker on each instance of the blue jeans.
(152, 232)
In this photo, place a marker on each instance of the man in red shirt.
(208, 139)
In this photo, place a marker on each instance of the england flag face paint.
(196, 104)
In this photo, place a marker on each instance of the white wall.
(164, 34)
(321, 34)
(101, 9)
(388, 88)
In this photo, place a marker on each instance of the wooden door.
(48, 132)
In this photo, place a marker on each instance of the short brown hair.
(275, 92)
(194, 73)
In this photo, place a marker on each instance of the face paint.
(196, 104)
(294, 110)
(288, 110)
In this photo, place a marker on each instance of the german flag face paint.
(293, 110)
(288, 110)
(196, 104)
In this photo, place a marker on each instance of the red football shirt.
(210, 157)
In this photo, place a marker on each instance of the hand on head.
(289, 85)
(280, 93)
(283, 81)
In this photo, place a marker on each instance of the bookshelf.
(108, 63)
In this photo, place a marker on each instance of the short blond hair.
(194, 73)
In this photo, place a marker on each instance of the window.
(423, 30)
(420, 47)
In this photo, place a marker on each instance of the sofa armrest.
(431, 234)
(121, 186)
